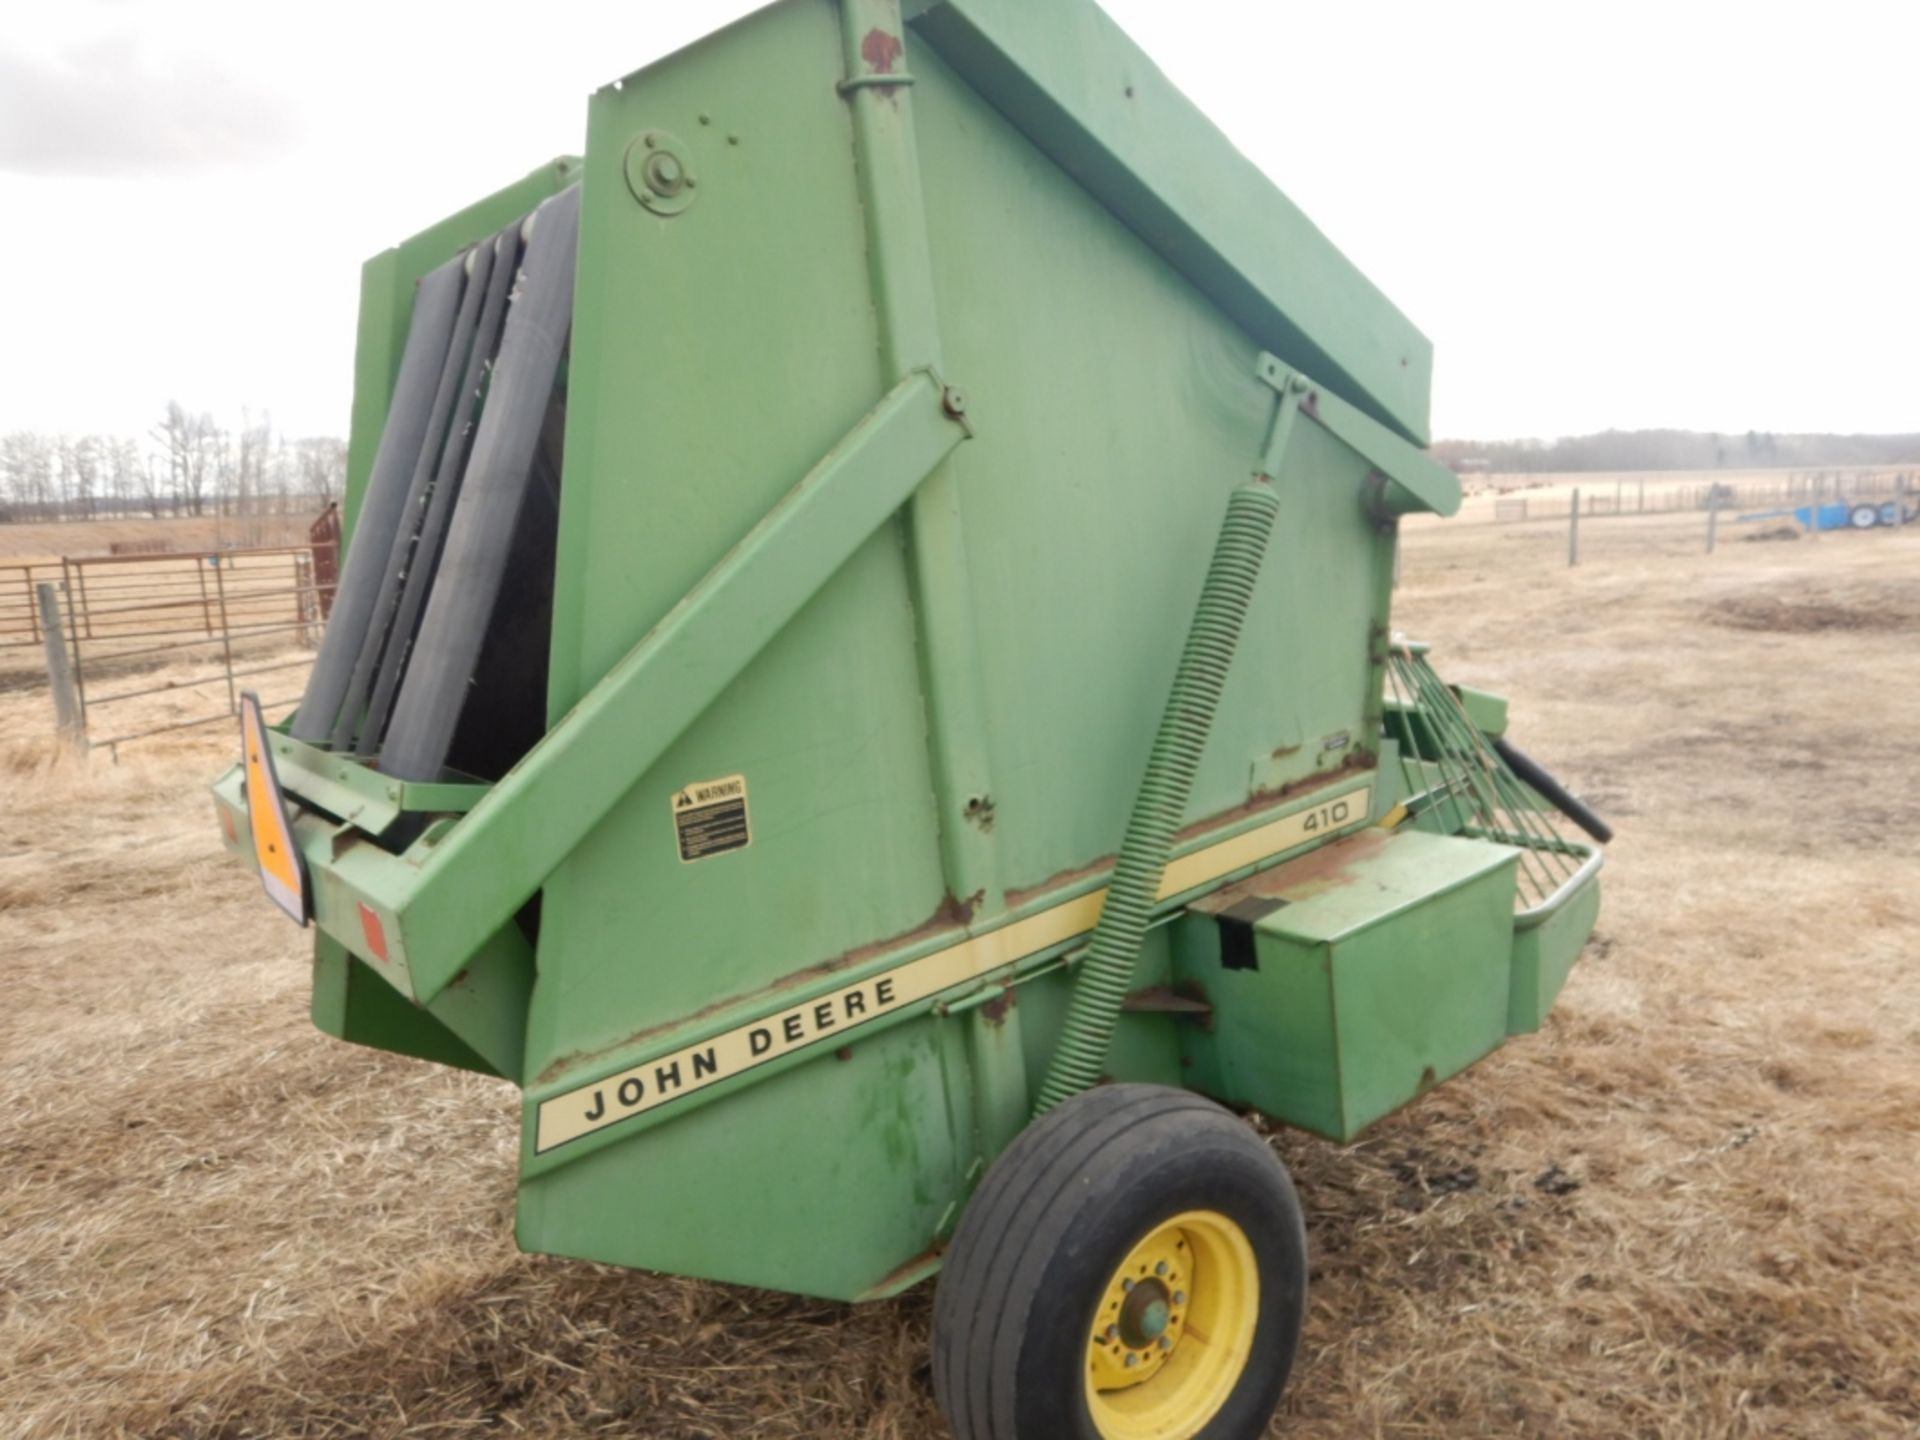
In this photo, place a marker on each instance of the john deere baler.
(863, 682)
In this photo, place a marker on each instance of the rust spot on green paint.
(880, 50)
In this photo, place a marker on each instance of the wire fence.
(129, 628)
(20, 617)
(1628, 495)
(1572, 525)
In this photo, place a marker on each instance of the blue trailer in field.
(1845, 514)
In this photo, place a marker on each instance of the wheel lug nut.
(1127, 1285)
(1179, 1297)
(1166, 1342)
(1132, 1360)
(1161, 1268)
(1113, 1332)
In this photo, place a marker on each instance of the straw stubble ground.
(1689, 1208)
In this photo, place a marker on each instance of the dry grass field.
(1665, 491)
(1688, 1209)
(52, 539)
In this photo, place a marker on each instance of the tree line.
(1678, 450)
(187, 464)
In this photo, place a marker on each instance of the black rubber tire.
(1057, 1214)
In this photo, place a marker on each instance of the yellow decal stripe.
(645, 1087)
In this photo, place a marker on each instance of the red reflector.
(375, 932)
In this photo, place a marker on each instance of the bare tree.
(189, 464)
(82, 467)
(151, 486)
(321, 467)
(252, 446)
(26, 473)
(125, 480)
(191, 446)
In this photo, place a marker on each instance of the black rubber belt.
(440, 674)
(445, 494)
(359, 585)
(398, 572)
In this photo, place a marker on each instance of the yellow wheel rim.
(1173, 1330)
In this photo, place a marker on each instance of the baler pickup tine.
(1471, 764)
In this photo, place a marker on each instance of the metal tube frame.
(878, 95)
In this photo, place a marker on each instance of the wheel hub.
(1173, 1330)
(1143, 1313)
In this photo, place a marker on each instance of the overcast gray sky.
(1690, 214)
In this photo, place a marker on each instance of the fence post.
(74, 646)
(226, 634)
(303, 594)
(206, 606)
(1641, 507)
(1713, 517)
(66, 704)
(1573, 530)
(1899, 501)
(79, 601)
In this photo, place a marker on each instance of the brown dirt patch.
(1884, 607)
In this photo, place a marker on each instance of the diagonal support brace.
(489, 864)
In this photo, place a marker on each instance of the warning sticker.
(710, 817)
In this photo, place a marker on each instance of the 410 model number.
(1330, 816)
